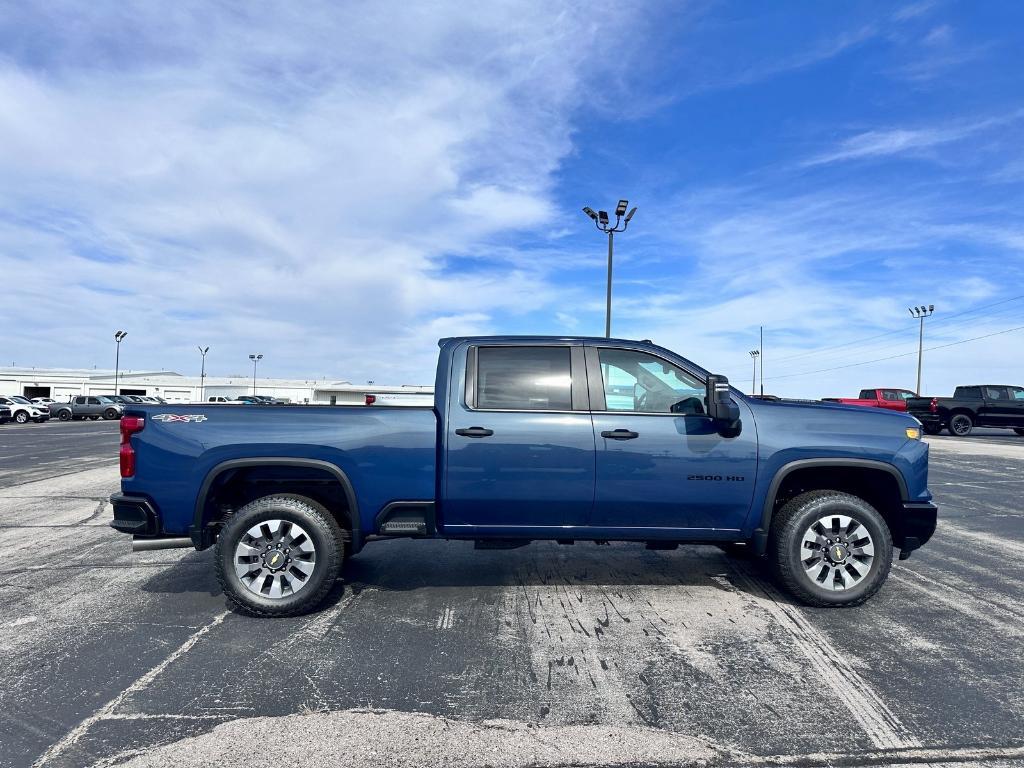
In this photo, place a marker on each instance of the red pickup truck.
(893, 399)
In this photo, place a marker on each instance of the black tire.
(324, 533)
(960, 425)
(1019, 431)
(930, 429)
(21, 417)
(64, 414)
(787, 552)
(110, 413)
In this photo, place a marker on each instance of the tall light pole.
(601, 222)
(754, 354)
(255, 359)
(202, 374)
(920, 313)
(118, 337)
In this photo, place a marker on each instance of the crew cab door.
(519, 445)
(1001, 408)
(661, 463)
(1015, 407)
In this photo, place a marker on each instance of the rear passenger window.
(524, 378)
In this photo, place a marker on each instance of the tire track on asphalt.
(881, 725)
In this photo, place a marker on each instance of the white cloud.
(292, 179)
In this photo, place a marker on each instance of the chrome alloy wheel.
(275, 558)
(837, 552)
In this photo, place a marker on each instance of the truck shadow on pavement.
(407, 565)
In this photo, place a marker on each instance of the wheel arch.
(877, 482)
(228, 475)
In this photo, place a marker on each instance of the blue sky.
(336, 185)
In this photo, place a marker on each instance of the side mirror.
(722, 410)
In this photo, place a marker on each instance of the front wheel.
(830, 548)
(110, 413)
(279, 556)
(64, 415)
(960, 425)
(21, 417)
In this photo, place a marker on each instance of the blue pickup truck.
(566, 439)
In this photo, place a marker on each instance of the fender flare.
(760, 539)
(200, 536)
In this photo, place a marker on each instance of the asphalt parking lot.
(431, 653)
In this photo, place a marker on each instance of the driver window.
(643, 383)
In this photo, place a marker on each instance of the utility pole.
(118, 337)
(754, 354)
(202, 374)
(760, 351)
(255, 359)
(920, 313)
(601, 222)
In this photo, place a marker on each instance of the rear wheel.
(830, 548)
(960, 424)
(279, 556)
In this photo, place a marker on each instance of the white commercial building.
(60, 384)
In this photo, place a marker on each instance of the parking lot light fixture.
(202, 374)
(920, 313)
(601, 221)
(255, 359)
(118, 337)
(754, 354)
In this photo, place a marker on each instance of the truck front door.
(519, 445)
(661, 463)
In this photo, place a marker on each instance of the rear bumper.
(917, 524)
(135, 515)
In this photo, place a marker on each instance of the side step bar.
(146, 545)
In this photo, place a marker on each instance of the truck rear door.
(519, 444)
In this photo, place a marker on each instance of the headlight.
(913, 433)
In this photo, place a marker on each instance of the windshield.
(20, 399)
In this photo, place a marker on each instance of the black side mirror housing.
(722, 410)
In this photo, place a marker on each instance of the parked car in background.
(5, 414)
(24, 410)
(92, 407)
(47, 401)
(222, 399)
(891, 399)
(268, 400)
(977, 405)
(249, 400)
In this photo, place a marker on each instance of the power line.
(893, 357)
(858, 342)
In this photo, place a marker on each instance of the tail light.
(371, 399)
(933, 406)
(129, 426)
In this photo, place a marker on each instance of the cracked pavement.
(429, 652)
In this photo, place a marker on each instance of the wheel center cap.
(274, 560)
(837, 553)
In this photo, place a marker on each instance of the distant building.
(62, 383)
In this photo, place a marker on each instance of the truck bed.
(389, 453)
